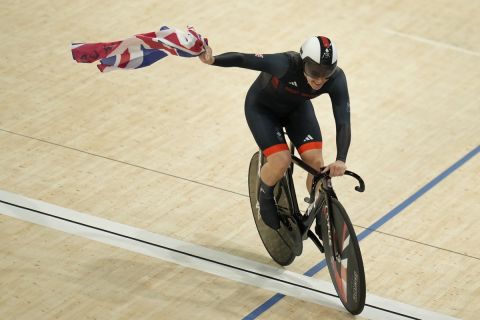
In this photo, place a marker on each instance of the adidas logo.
(293, 83)
(308, 138)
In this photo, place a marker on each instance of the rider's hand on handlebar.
(336, 169)
(207, 56)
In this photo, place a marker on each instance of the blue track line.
(377, 224)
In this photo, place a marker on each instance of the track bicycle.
(334, 233)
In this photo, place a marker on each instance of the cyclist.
(280, 98)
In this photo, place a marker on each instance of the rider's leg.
(304, 130)
(275, 168)
(272, 171)
(267, 129)
(314, 158)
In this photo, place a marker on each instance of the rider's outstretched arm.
(275, 64)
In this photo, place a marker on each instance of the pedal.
(308, 200)
(292, 238)
(284, 219)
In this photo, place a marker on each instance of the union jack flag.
(140, 50)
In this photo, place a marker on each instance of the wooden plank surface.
(166, 149)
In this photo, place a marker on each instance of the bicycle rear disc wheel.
(275, 245)
(345, 265)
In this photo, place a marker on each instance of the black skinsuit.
(280, 97)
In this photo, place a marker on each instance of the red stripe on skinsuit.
(274, 149)
(309, 146)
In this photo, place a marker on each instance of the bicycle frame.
(306, 220)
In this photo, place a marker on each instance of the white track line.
(432, 42)
(197, 257)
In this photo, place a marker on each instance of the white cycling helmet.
(319, 56)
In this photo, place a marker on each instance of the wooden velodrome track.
(166, 149)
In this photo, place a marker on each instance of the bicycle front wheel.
(343, 256)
